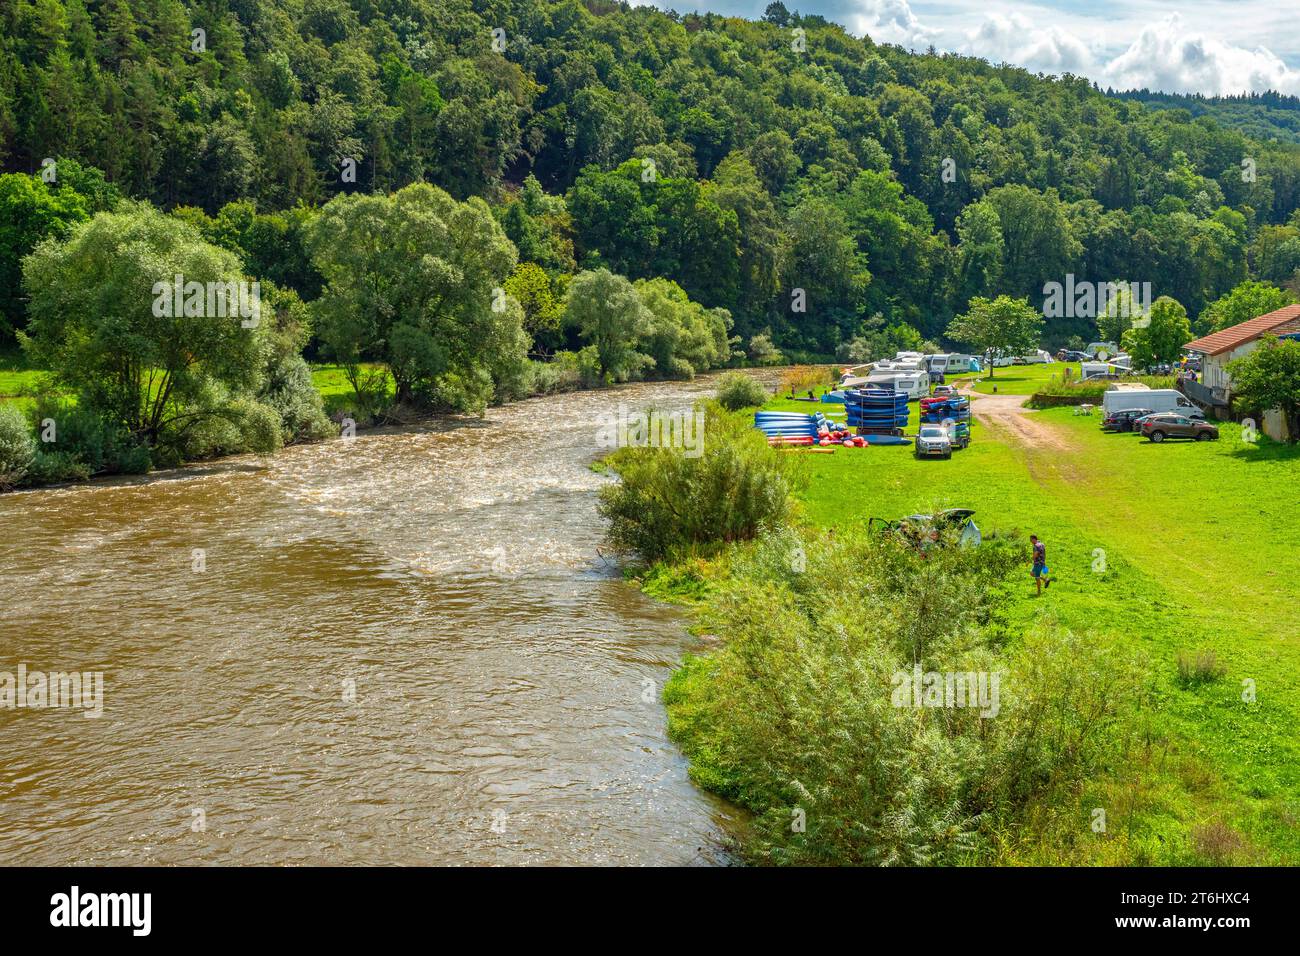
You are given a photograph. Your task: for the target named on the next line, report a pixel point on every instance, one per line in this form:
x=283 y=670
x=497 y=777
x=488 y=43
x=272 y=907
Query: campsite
x=1142 y=555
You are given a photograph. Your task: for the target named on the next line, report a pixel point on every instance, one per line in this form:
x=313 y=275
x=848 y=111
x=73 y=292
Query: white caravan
x=948 y=363
x=916 y=384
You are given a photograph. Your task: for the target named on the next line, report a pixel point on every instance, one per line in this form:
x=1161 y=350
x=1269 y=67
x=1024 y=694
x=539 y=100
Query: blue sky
x=1207 y=46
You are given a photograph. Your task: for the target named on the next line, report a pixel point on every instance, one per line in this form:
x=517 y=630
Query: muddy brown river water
x=400 y=649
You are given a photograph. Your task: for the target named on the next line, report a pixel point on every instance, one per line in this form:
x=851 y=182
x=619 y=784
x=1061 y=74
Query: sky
x=1183 y=46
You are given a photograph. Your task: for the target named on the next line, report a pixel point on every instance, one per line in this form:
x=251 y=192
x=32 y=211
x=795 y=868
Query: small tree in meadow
x=1003 y=326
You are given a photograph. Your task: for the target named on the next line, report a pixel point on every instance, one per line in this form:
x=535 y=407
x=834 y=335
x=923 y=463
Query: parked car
x=1070 y=355
x=949 y=391
x=1159 y=427
x=932 y=441
x=955 y=524
x=1122 y=420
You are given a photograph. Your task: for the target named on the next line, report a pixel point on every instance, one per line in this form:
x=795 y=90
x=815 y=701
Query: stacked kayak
x=793 y=428
x=876 y=410
x=945 y=408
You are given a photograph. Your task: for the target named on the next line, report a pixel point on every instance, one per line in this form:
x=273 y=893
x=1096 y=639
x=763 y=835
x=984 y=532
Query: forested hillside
x=1264 y=116
x=819 y=187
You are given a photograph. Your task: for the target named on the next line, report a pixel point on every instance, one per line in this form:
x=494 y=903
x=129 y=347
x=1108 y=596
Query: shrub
x=796 y=715
x=288 y=389
x=242 y=426
x=558 y=375
x=78 y=432
x=1058 y=392
x=17 y=447
x=667 y=499
x=736 y=390
x=762 y=351
x=1201 y=667
x=134 y=460
x=50 y=467
x=259 y=428
x=588 y=365
x=806 y=378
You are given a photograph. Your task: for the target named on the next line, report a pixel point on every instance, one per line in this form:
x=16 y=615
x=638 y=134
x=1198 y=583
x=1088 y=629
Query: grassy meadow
x=1180 y=547
x=1183 y=550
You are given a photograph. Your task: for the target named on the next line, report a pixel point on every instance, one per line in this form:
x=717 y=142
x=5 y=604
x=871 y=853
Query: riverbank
x=21 y=387
x=1178 y=555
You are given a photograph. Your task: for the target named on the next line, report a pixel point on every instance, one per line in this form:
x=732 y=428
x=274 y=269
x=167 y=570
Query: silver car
x=932 y=441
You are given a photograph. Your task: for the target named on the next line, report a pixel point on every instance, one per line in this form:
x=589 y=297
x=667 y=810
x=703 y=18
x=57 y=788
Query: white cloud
x=890 y=21
x=1166 y=56
x=1014 y=39
x=1211 y=48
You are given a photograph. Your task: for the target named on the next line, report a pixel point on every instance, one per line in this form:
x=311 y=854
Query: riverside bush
x=49 y=467
x=806 y=378
x=736 y=390
x=17 y=447
x=795 y=715
x=84 y=444
x=667 y=499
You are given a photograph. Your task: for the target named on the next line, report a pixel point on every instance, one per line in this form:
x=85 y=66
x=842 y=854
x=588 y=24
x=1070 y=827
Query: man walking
x=1040 y=564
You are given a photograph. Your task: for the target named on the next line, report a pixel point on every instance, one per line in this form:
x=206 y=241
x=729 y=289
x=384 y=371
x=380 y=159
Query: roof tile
x=1248 y=331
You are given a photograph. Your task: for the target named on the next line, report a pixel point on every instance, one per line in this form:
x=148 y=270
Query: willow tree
x=146 y=350
x=416 y=280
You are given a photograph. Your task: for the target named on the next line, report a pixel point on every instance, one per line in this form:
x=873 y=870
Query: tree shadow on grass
x=1267 y=450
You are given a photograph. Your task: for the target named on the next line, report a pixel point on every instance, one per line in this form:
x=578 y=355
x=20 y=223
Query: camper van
x=1156 y=399
x=948 y=363
x=997 y=360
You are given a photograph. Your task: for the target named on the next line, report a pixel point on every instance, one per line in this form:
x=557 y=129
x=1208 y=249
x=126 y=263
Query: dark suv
x=1159 y=427
x=1122 y=420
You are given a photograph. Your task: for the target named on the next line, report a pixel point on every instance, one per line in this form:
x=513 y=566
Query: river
x=402 y=648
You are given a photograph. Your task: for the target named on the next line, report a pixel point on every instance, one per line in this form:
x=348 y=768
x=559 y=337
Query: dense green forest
x=821 y=188
x=1263 y=116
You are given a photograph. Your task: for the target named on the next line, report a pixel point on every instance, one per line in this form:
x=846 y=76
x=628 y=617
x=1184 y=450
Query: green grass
x=1199 y=549
x=1016 y=379
x=19 y=383
x=335 y=389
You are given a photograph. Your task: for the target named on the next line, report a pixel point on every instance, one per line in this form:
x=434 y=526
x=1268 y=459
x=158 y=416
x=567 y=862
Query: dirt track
x=1048 y=450
x=1008 y=413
